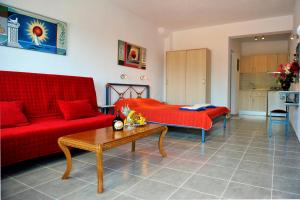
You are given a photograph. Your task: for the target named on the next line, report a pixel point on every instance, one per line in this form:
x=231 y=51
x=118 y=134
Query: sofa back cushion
x=76 y=109
x=40 y=92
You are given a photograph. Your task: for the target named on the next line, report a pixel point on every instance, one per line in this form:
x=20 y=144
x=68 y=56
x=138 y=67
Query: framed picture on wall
x=26 y=30
x=131 y=55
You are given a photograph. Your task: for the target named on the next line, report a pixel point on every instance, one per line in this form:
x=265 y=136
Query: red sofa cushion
x=76 y=109
x=40 y=92
x=11 y=114
x=40 y=137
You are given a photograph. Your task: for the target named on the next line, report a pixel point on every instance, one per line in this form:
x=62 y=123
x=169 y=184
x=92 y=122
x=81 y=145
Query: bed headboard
x=116 y=91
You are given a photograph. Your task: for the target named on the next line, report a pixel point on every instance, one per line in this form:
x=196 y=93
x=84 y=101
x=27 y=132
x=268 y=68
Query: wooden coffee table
x=99 y=140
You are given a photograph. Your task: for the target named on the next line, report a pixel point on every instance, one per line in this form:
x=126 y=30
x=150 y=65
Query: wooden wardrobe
x=188 y=76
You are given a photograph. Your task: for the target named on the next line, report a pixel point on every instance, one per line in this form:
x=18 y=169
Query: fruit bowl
x=133 y=118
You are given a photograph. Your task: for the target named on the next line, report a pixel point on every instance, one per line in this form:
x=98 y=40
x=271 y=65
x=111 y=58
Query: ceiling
x=182 y=14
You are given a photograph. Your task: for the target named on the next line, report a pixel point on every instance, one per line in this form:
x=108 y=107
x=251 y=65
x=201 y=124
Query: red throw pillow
x=76 y=109
x=11 y=114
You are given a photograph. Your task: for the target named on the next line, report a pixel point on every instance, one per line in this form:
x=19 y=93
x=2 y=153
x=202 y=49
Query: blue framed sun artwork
x=26 y=30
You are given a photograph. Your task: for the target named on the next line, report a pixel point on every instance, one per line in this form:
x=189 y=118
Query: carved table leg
x=161 y=141
x=99 y=157
x=67 y=153
x=133 y=146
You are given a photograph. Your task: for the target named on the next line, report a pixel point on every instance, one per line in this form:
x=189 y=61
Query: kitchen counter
x=253 y=101
x=256 y=89
x=261 y=101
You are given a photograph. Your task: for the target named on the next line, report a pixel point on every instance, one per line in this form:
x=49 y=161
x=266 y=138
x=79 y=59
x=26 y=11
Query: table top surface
x=106 y=106
x=106 y=135
x=289 y=92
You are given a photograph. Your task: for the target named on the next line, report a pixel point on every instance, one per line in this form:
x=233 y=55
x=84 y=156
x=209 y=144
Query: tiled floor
x=240 y=162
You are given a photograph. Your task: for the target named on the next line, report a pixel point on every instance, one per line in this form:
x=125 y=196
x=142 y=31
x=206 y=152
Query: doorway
x=252 y=63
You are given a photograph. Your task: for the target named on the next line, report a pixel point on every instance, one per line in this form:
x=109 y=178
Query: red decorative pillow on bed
x=76 y=109
x=131 y=102
x=11 y=114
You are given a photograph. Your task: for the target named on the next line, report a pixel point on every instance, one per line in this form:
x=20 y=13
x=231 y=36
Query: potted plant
x=286 y=74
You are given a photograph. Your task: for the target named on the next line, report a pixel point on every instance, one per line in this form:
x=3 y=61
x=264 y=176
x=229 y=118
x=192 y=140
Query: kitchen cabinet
x=272 y=62
x=247 y=63
x=282 y=59
x=253 y=64
x=245 y=100
x=259 y=101
x=262 y=63
x=253 y=100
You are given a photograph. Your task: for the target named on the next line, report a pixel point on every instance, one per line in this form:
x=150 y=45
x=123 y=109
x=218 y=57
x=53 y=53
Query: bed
x=137 y=97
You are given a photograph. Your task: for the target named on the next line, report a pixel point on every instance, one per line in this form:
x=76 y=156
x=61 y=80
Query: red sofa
x=39 y=94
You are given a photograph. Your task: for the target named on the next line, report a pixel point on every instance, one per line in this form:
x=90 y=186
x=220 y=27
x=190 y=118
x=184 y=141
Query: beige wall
x=216 y=38
x=257 y=80
x=264 y=47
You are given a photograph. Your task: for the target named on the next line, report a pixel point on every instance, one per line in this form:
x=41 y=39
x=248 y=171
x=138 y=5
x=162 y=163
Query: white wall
x=234 y=82
x=264 y=47
x=94 y=29
x=235 y=46
x=216 y=38
x=295 y=111
x=233 y=94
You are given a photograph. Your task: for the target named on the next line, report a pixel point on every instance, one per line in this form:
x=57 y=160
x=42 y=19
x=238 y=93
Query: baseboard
x=255 y=113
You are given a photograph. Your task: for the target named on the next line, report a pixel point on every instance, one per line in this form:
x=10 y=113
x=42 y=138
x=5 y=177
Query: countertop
x=261 y=89
x=257 y=89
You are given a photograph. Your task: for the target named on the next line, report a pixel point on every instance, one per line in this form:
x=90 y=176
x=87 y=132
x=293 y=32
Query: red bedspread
x=155 y=111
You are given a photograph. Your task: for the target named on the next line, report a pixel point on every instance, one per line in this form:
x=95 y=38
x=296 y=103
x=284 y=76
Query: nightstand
x=107 y=109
